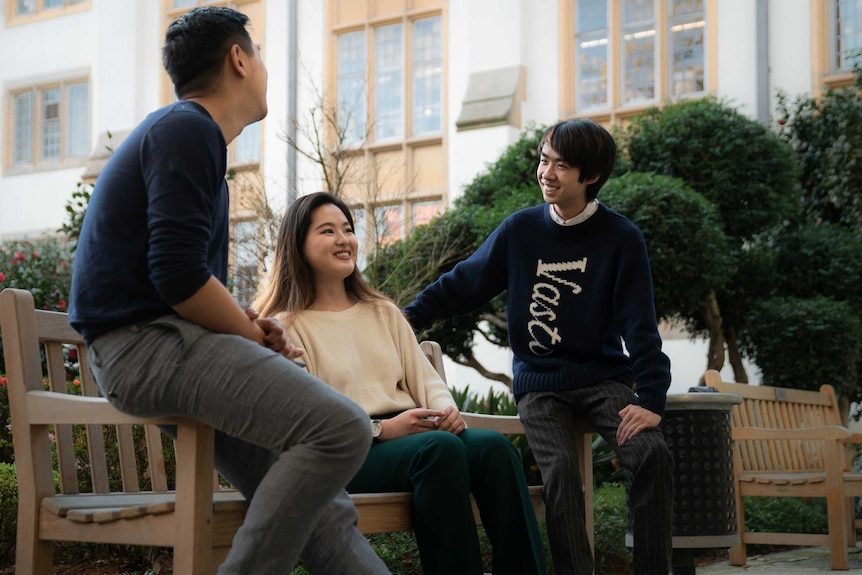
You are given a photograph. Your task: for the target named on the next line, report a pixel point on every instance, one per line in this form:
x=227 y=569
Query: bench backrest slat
x=780 y=408
x=57 y=339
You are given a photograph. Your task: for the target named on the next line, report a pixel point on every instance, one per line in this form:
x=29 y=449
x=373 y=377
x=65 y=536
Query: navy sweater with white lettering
x=574 y=294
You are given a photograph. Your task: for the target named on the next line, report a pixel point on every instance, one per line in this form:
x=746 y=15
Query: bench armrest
x=505 y=424
x=49 y=407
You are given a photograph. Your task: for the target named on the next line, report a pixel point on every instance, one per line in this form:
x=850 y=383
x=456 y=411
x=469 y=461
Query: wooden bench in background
x=187 y=510
x=793 y=443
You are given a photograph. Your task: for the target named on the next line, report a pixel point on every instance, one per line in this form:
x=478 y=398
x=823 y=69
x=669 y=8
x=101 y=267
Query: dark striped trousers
x=549 y=419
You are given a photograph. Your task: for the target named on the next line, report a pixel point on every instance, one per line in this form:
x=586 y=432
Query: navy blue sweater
x=156 y=227
x=574 y=294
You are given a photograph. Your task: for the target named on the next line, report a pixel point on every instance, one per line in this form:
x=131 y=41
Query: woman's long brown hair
x=290 y=284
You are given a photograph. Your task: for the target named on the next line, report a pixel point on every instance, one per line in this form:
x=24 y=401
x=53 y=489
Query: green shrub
x=821 y=343
x=8 y=512
x=785 y=515
x=44 y=267
x=610 y=526
x=7 y=454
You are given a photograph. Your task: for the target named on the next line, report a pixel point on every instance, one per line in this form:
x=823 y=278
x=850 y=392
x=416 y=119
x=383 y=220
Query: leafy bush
x=785 y=515
x=825 y=134
x=688 y=251
x=610 y=526
x=821 y=343
x=7 y=454
x=8 y=512
x=747 y=173
x=44 y=267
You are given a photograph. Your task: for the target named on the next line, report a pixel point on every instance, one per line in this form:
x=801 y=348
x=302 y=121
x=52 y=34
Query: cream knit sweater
x=370 y=354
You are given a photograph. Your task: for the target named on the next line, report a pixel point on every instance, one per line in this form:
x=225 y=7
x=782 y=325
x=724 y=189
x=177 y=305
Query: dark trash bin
x=696 y=427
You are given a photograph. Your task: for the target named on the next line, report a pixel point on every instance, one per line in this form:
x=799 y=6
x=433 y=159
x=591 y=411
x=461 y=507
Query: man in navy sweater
x=578 y=285
x=166 y=337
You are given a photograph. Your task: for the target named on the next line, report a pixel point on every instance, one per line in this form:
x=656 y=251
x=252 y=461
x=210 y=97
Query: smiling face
x=560 y=183
x=331 y=246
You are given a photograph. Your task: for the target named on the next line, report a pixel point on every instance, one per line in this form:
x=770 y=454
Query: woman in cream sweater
x=357 y=341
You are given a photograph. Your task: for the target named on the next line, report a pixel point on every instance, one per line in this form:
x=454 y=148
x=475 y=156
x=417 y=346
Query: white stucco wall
x=789 y=49
x=309 y=76
x=737 y=54
x=275 y=40
x=34 y=204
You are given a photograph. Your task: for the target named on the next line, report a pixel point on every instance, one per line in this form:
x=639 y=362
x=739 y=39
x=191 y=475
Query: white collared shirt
x=581 y=217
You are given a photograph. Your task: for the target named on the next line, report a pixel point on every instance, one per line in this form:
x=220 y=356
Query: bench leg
x=737 y=554
x=32 y=556
x=836 y=509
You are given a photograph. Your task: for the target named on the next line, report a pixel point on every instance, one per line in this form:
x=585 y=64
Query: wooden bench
x=793 y=443
x=186 y=510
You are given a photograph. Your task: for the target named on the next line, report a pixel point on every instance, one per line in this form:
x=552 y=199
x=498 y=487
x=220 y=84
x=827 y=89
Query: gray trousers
x=549 y=419
x=284 y=439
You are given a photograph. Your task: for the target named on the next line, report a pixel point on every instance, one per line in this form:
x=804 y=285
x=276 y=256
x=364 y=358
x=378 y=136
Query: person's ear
x=236 y=57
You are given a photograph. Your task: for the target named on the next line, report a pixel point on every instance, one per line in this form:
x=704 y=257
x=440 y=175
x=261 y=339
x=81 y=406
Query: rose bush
x=43 y=267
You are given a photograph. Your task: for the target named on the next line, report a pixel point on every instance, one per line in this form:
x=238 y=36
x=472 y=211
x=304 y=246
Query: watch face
x=376 y=428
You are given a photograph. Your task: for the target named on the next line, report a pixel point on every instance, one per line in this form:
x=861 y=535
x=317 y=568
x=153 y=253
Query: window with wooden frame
x=50 y=126
x=247 y=260
x=27 y=11
x=845 y=34
x=402 y=87
x=626 y=55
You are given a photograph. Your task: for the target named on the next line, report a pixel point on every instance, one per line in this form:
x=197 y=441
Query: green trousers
x=442 y=469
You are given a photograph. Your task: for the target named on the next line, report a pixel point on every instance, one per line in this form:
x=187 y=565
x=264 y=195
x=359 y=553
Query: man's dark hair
x=197 y=42
x=586 y=145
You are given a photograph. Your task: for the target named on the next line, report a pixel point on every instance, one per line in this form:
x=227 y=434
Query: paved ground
x=792 y=562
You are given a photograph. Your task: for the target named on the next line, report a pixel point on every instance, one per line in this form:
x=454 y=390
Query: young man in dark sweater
x=167 y=338
x=578 y=285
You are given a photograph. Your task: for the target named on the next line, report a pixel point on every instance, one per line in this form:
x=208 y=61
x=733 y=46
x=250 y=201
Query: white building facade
x=436 y=88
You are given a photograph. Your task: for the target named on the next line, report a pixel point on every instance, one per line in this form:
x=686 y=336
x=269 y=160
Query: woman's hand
x=451 y=421
x=411 y=421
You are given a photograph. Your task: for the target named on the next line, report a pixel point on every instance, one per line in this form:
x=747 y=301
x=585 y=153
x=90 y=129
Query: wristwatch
x=376 y=429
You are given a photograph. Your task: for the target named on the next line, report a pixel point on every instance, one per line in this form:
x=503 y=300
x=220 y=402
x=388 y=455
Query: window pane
x=847 y=32
x=51 y=124
x=78 y=124
x=687 y=66
x=359 y=230
x=427 y=75
x=247 y=145
x=390 y=224
x=25 y=6
x=245 y=263
x=23 y=128
x=51 y=3
x=638 y=57
x=185 y=3
x=351 y=86
x=388 y=82
x=424 y=212
x=591 y=54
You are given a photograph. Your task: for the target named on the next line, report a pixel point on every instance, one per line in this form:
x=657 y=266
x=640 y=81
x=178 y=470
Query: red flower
x=76 y=382
x=62 y=304
x=35 y=256
x=2 y=277
x=73 y=354
x=19 y=256
x=3 y=381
